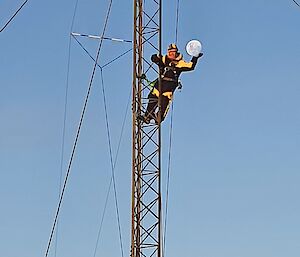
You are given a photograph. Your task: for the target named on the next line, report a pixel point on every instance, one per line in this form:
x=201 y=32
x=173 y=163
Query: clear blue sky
x=235 y=170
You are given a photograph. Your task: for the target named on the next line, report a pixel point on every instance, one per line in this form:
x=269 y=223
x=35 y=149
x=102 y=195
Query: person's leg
x=151 y=107
x=164 y=105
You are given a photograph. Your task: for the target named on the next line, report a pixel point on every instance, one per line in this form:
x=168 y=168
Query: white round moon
x=193 y=47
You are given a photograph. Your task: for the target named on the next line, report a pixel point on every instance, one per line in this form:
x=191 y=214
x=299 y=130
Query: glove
x=155 y=58
x=200 y=55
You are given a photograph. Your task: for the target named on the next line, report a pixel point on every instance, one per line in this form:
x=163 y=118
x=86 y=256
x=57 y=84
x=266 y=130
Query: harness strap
x=169 y=79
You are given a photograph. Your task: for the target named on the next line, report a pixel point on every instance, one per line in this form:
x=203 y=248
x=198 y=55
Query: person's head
x=172 y=51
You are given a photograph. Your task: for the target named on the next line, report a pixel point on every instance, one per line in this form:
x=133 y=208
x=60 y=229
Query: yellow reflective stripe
x=167 y=94
x=155 y=92
x=183 y=64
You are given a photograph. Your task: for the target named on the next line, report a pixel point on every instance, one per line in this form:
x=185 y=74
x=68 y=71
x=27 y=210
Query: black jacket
x=171 y=70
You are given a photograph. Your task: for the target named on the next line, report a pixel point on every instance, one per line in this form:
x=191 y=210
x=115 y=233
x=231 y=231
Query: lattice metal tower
x=146 y=227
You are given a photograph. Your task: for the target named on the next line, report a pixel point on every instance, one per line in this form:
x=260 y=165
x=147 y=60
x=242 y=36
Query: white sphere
x=193 y=47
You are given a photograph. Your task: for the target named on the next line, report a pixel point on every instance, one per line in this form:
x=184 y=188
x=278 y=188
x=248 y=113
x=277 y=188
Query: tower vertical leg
x=146 y=138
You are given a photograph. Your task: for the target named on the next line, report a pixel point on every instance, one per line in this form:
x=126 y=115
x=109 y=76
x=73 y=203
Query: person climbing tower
x=171 y=66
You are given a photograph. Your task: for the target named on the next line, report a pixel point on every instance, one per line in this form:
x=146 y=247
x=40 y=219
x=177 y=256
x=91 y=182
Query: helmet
x=172 y=47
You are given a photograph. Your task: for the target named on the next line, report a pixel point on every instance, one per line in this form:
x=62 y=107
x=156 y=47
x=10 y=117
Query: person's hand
x=155 y=58
x=200 y=55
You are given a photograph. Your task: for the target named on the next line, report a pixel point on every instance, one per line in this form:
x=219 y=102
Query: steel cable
x=65 y=117
x=296 y=3
x=112 y=163
x=111 y=179
x=177 y=19
x=13 y=16
x=170 y=143
x=106 y=64
x=168 y=175
x=77 y=133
